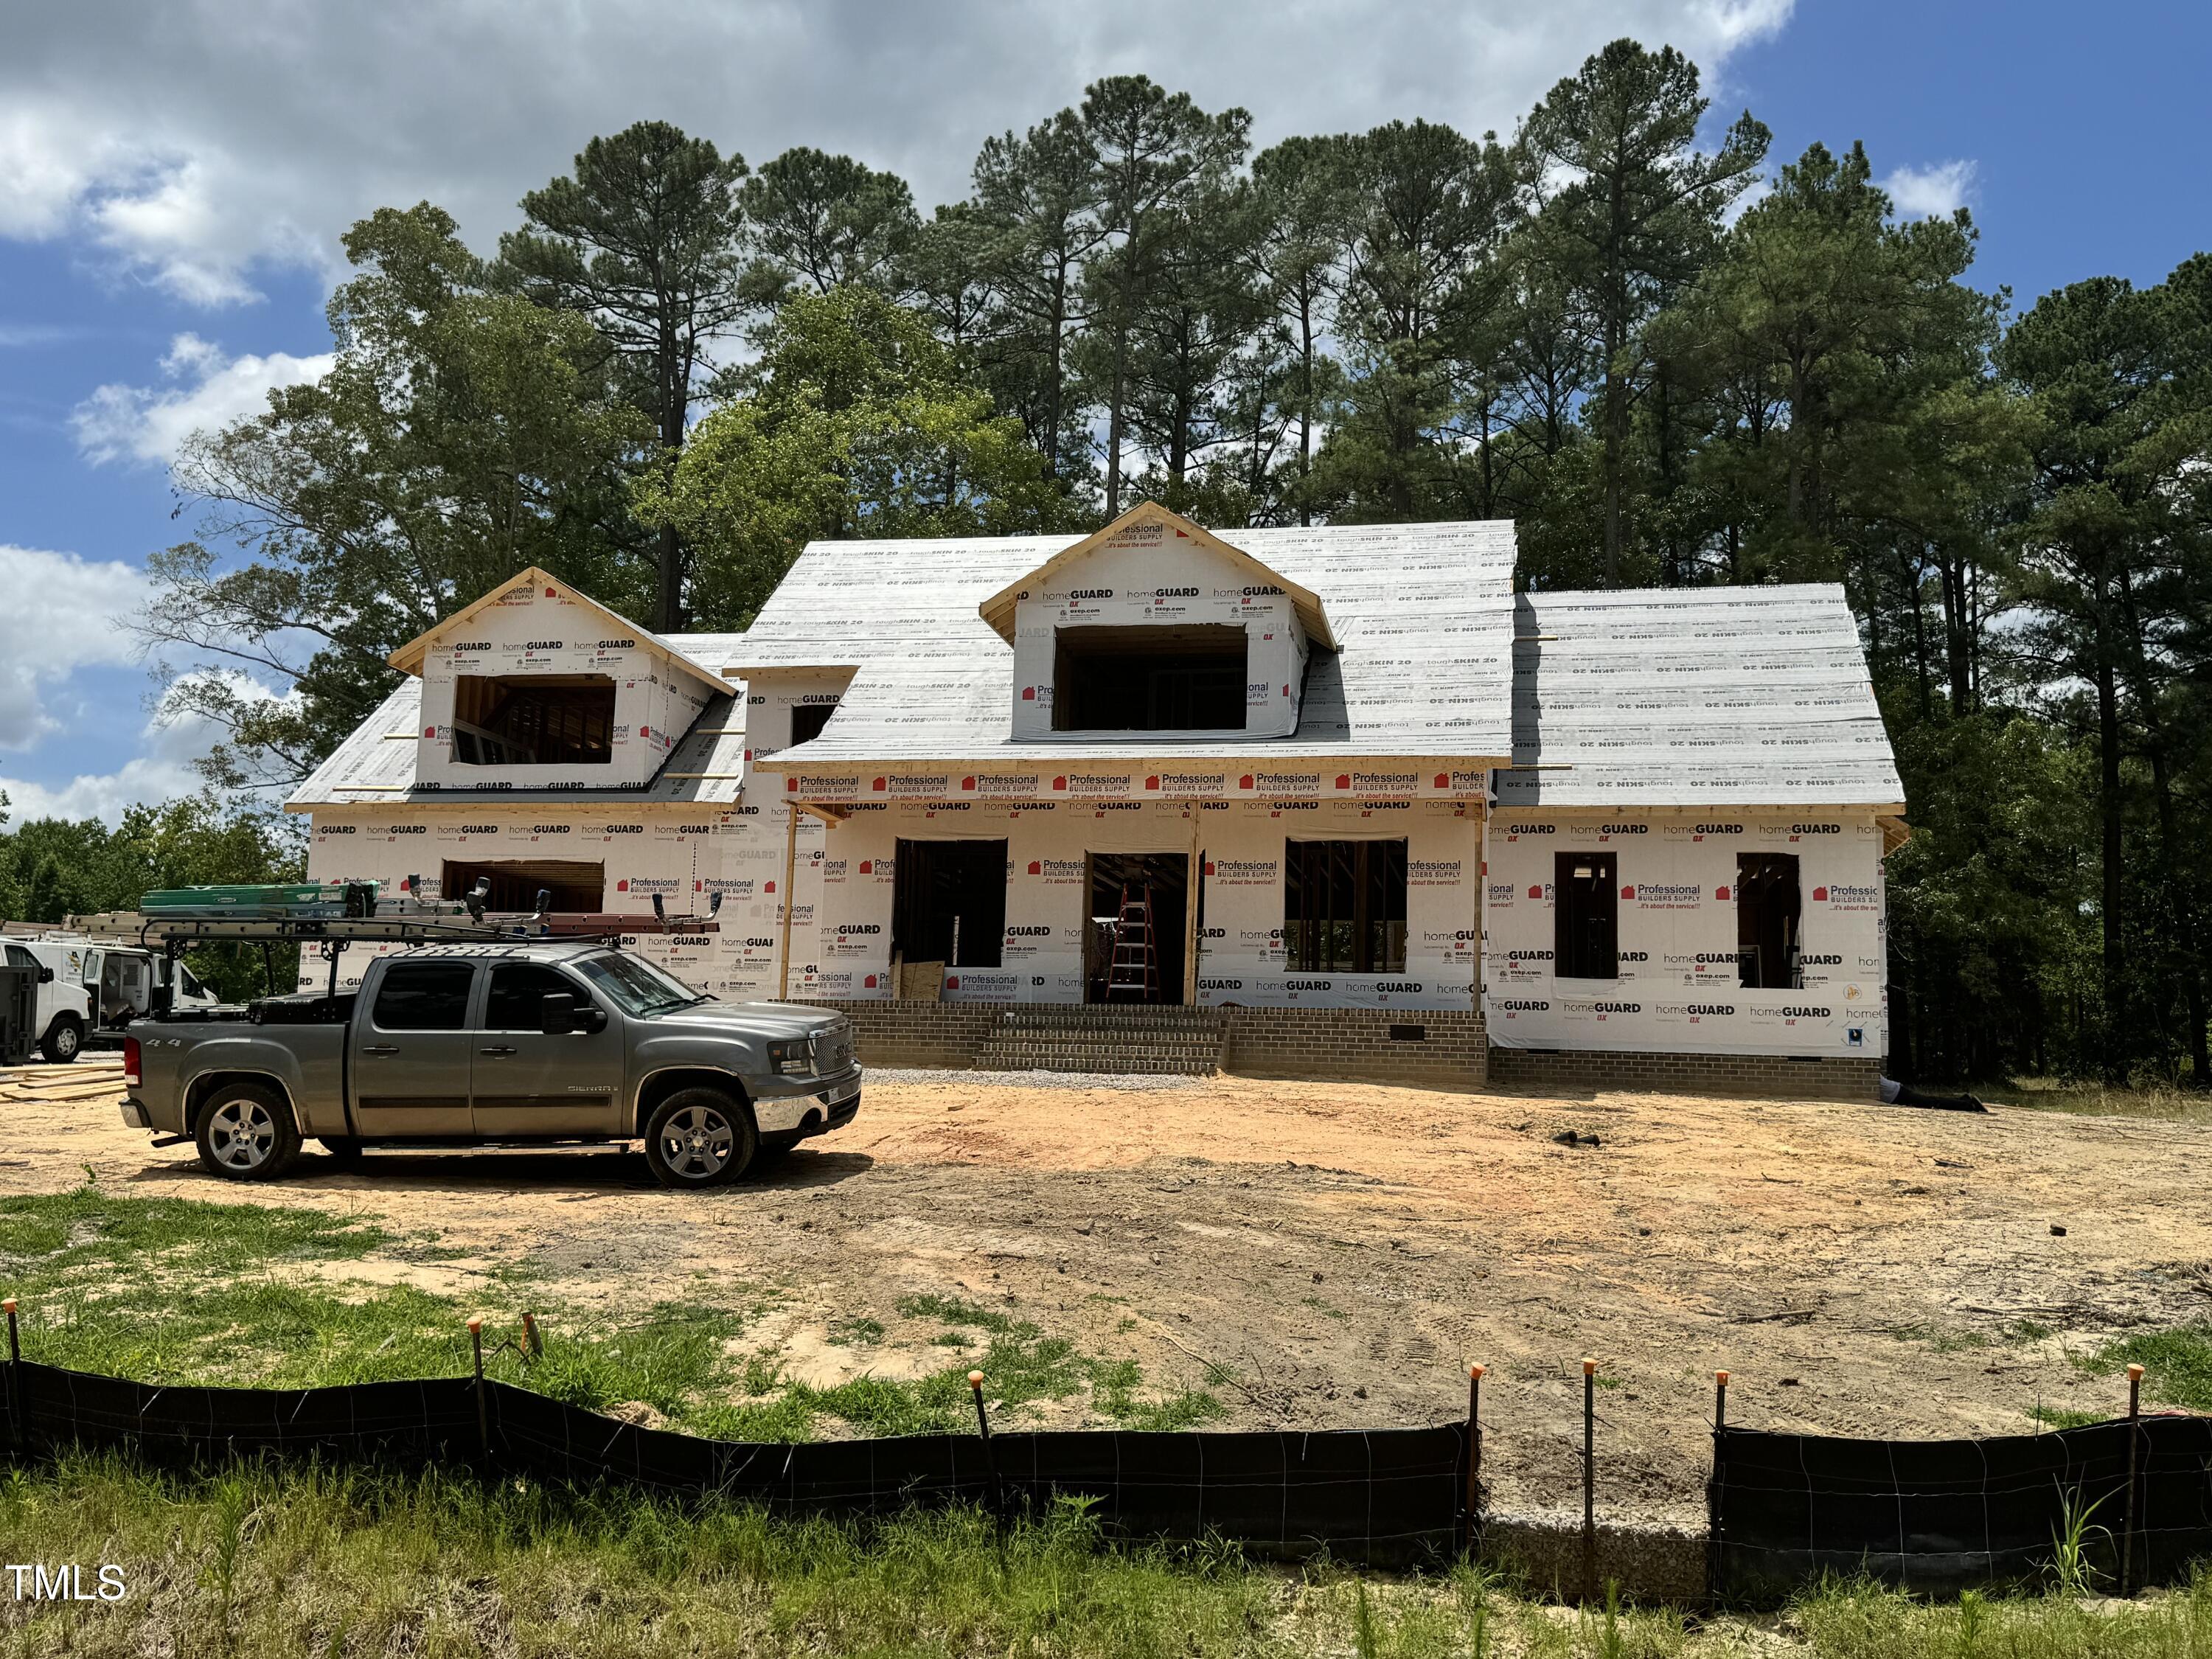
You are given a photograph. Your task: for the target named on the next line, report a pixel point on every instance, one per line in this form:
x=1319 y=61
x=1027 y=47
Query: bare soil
x=1340 y=1252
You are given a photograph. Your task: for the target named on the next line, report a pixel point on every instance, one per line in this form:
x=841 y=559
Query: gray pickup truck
x=523 y=1043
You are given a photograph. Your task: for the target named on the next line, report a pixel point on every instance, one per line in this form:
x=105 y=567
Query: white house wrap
x=1349 y=768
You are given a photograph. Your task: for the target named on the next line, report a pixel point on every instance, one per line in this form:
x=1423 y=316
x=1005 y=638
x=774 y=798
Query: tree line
x=1673 y=359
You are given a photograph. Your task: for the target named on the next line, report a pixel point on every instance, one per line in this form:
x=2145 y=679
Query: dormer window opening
x=1156 y=679
x=533 y=719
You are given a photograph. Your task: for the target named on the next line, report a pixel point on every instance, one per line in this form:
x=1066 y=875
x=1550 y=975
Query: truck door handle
x=381 y=1048
x=495 y=1051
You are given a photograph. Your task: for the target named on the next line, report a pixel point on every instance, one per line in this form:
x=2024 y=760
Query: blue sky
x=173 y=183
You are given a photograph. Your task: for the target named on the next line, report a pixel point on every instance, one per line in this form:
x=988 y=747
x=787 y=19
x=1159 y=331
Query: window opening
x=576 y=887
x=1148 y=679
x=949 y=901
x=1585 y=915
x=807 y=719
x=1343 y=907
x=533 y=719
x=1768 y=912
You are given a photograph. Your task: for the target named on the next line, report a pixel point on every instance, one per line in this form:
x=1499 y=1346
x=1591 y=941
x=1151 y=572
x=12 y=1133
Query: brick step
x=989 y=1059
x=1109 y=1049
x=1044 y=1033
x=1114 y=1010
x=1110 y=1028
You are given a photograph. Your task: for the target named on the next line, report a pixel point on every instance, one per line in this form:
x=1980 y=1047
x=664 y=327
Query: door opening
x=949 y=903
x=1768 y=909
x=1165 y=879
x=1586 y=915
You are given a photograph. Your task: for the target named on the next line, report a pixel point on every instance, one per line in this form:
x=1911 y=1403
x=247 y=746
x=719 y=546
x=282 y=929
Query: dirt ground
x=1341 y=1252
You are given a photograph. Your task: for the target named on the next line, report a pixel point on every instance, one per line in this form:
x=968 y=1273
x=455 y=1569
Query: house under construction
x=1330 y=802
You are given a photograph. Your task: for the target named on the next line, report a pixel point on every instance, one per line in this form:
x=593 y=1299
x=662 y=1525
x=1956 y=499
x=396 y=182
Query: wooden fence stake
x=483 y=1419
x=1473 y=1454
x=1713 y=1490
x=18 y=1430
x=1589 y=1479
x=990 y=1457
x=2127 y=1510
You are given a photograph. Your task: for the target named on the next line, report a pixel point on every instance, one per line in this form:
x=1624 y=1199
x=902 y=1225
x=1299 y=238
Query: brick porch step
x=1187 y=1042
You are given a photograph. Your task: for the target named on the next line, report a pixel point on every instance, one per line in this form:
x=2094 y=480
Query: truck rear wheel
x=64 y=1041
x=699 y=1138
x=246 y=1132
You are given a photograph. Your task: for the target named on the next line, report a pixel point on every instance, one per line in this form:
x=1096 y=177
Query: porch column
x=790 y=862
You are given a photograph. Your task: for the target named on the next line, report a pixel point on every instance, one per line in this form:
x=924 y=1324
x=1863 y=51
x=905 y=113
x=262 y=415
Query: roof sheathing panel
x=1695 y=697
x=1422 y=615
x=374 y=766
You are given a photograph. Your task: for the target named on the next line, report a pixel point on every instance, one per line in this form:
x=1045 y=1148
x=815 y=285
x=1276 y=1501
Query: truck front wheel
x=248 y=1133
x=699 y=1138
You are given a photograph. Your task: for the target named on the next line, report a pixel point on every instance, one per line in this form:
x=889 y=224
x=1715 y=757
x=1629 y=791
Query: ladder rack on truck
x=331 y=935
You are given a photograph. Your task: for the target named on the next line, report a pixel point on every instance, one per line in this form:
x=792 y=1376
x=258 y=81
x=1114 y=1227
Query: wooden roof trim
x=998 y=610
x=408 y=659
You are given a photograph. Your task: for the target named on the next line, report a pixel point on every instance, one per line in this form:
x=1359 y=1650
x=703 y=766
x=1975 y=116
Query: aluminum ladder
x=1135 y=969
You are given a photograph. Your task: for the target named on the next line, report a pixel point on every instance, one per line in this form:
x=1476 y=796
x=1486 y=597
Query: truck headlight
x=792 y=1059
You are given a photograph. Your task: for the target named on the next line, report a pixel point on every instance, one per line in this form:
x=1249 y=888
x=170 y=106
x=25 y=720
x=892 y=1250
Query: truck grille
x=833 y=1049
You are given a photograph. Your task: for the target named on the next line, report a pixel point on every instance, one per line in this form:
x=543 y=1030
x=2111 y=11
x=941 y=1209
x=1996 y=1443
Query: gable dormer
x=537 y=686
x=1157 y=625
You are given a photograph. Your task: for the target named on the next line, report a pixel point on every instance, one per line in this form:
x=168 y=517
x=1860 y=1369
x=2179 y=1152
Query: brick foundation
x=1332 y=1044
x=1355 y=1045
x=946 y=1034
x=1824 y=1078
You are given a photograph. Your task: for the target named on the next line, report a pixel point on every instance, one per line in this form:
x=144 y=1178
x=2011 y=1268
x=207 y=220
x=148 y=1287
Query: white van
x=118 y=982
x=64 y=1007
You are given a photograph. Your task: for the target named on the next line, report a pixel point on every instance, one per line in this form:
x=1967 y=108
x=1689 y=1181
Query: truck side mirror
x=591 y=1017
x=46 y=976
x=556 y=1012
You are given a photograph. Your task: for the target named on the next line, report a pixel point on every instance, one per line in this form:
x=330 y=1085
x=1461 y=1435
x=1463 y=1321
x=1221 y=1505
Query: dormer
x=1156 y=625
x=536 y=686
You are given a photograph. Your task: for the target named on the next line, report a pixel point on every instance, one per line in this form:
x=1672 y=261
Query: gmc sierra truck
x=520 y=1043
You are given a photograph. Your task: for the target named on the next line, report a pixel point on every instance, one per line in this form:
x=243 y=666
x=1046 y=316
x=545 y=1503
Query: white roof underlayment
x=376 y=764
x=1636 y=698
x=1422 y=613
x=1748 y=697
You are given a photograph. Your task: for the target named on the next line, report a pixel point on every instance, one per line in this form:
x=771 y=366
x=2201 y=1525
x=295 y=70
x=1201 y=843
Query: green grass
x=256 y=1563
x=2060 y=1417
x=2177 y=1365
x=177 y=1290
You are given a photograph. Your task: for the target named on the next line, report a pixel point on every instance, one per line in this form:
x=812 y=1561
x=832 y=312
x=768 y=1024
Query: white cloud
x=191 y=142
x=1938 y=191
x=208 y=389
x=162 y=770
x=61 y=615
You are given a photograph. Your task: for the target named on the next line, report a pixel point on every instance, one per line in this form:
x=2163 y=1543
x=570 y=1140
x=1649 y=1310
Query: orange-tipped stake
x=1589 y=1368
x=1721 y=1377
x=475 y=1328
x=1478 y=1372
x=2135 y=1372
x=976 y=1381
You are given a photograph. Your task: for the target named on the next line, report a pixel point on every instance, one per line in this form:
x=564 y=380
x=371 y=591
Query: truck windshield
x=636 y=985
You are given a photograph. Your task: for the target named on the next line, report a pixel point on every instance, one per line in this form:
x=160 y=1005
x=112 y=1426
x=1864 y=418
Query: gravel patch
x=1128 y=1082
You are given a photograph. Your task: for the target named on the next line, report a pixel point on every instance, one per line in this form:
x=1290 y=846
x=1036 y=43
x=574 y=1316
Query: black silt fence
x=1386 y=1497
x=1943 y=1516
